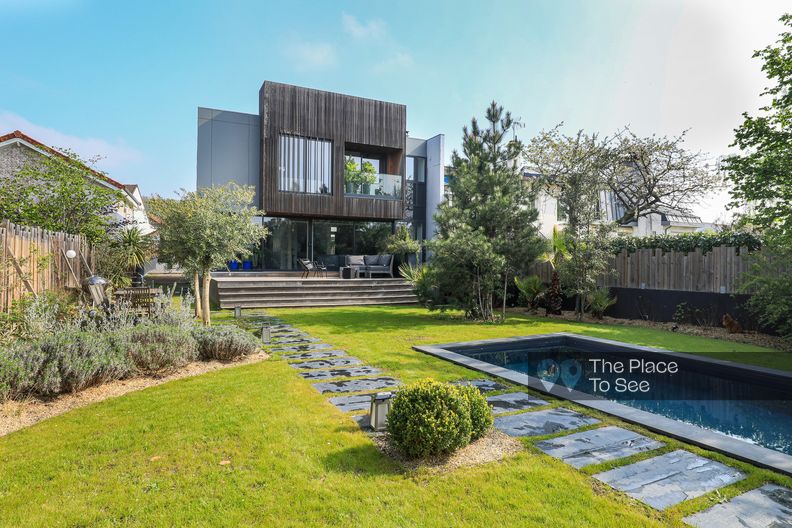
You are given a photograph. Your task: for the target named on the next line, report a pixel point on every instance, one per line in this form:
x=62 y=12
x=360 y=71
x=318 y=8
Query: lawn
x=256 y=445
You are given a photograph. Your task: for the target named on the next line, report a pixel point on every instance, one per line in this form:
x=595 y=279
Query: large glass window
x=287 y=241
x=363 y=177
x=416 y=169
x=333 y=240
x=305 y=164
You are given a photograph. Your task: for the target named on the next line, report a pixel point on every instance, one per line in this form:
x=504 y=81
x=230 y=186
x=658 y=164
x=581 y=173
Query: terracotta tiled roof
x=16 y=134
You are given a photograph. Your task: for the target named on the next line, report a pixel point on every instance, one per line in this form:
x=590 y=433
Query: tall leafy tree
x=761 y=175
x=572 y=169
x=204 y=229
x=487 y=234
x=59 y=192
x=656 y=173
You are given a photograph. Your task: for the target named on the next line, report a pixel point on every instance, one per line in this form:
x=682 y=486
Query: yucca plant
x=531 y=288
x=599 y=300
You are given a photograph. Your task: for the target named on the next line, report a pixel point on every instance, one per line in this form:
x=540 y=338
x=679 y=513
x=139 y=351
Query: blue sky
x=124 y=79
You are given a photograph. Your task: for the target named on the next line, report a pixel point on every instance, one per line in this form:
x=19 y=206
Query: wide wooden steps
x=256 y=291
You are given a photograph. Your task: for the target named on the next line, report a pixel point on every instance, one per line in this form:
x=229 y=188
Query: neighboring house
x=18 y=150
x=668 y=221
x=295 y=151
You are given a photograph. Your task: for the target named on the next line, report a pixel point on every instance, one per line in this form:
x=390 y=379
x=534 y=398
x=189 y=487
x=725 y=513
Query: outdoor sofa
x=370 y=265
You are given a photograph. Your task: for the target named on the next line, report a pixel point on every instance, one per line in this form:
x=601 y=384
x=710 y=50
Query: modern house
x=335 y=173
x=18 y=150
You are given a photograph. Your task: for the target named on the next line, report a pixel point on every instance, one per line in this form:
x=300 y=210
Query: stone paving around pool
x=660 y=481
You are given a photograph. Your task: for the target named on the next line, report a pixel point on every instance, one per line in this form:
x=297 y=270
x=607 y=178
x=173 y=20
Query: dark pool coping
x=721 y=443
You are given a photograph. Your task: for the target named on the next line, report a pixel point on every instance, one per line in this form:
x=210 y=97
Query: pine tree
x=487 y=234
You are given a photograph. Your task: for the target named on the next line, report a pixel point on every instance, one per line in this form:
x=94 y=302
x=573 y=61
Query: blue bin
x=233 y=265
x=247 y=265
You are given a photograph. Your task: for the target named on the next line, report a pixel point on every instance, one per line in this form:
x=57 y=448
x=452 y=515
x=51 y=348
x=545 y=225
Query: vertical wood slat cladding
x=342 y=119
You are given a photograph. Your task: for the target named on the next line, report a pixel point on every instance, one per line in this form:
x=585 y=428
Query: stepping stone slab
x=302 y=348
x=598 y=445
x=327 y=363
x=356 y=385
x=539 y=423
x=513 y=401
x=294 y=341
x=340 y=373
x=316 y=355
x=767 y=507
x=359 y=402
x=483 y=385
x=287 y=334
x=666 y=480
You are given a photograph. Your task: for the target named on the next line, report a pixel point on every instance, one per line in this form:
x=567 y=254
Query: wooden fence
x=718 y=271
x=33 y=260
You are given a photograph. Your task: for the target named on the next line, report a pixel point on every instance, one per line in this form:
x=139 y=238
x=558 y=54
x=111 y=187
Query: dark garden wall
x=703 y=308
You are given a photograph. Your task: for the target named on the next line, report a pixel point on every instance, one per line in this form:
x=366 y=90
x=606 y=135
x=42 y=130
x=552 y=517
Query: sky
x=124 y=79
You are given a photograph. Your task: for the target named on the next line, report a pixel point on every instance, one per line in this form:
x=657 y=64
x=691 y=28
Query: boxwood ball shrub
x=158 y=348
x=480 y=411
x=429 y=418
x=225 y=342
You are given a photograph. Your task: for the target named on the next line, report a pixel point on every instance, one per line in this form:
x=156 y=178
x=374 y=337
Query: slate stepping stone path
x=357 y=385
x=598 y=445
x=767 y=507
x=359 y=402
x=661 y=482
x=483 y=385
x=316 y=355
x=513 y=401
x=666 y=480
x=326 y=363
x=340 y=373
x=538 y=423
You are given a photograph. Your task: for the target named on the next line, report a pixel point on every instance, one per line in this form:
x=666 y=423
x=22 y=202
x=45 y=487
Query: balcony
x=364 y=184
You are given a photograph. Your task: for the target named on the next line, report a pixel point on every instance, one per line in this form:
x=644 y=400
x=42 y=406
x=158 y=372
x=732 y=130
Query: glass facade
x=287 y=241
x=305 y=164
x=326 y=241
x=415 y=196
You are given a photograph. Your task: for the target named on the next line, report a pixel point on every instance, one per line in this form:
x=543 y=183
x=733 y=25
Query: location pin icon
x=547 y=371
x=570 y=373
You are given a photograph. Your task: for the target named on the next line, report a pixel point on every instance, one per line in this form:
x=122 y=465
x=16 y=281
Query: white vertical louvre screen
x=304 y=164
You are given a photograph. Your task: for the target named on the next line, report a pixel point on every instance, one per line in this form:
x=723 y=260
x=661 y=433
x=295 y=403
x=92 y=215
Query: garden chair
x=308 y=267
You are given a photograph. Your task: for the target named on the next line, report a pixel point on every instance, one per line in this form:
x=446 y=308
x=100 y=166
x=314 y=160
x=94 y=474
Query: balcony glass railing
x=373 y=185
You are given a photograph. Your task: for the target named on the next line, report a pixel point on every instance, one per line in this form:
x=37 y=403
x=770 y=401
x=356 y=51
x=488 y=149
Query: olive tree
x=202 y=230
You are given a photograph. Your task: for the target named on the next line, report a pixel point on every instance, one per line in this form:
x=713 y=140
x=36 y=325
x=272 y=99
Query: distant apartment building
x=18 y=150
x=334 y=173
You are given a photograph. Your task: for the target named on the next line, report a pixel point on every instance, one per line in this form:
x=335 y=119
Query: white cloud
x=373 y=29
x=114 y=154
x=312 y=55
x=399 y=61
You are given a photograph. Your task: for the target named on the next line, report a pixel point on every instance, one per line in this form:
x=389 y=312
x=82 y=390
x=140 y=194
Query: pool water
x=727 y=400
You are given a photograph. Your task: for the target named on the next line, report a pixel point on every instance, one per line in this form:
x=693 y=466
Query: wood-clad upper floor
x=341 y=123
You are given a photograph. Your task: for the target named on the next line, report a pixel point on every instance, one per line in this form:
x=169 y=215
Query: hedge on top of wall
x=687 y=242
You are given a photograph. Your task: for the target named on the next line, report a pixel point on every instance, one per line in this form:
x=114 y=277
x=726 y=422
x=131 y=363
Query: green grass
x=295 y=459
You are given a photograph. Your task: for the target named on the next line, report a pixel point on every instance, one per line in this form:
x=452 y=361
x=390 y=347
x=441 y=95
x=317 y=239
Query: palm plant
x=557 y=253
x=133 y=249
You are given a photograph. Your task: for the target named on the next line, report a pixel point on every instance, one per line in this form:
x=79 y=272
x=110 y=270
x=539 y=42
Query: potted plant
x=403 y=247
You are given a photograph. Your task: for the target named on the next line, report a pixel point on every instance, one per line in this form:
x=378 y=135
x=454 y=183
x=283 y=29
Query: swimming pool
x=749 y=403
